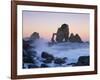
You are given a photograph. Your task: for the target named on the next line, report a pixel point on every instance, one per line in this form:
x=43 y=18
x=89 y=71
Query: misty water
x=66 y=49
x=72 y=51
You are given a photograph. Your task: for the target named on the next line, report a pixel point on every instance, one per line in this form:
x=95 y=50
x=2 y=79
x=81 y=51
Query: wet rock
x=83 y=61
x=47 y=61
x=28 y=60
x=62 y=33
x=65 y=58
x=72 y=64
x=28 y=56
x=32 y=53
x=47 y=56
x=59 y=61
x=44 y=65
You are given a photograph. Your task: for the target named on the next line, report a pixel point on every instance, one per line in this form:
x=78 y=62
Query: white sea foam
x=66 y=49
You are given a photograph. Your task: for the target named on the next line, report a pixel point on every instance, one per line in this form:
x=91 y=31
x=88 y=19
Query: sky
x=47 y=23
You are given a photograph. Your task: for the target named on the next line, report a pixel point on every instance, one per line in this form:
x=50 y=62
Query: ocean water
x=66 y=49
x=60 y=50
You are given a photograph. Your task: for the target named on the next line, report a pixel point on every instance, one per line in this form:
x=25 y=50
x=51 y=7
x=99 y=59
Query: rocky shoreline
x=31 y=59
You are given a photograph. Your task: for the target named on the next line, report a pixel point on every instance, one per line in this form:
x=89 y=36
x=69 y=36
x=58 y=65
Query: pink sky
x=47 y=23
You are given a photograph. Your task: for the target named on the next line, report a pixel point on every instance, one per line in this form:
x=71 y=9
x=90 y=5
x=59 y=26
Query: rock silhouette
x=72 y=37
x=35 y=35
x=75 y=38
x=62 y=35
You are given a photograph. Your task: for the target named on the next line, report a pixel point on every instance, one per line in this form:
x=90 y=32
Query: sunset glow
x=47 y=23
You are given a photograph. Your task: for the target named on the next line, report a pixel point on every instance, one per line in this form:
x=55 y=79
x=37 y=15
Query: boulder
x=83 y=61
x=59 y=61
x=32 y=53
x=47 y=61
x=47 y=56
x=44 y=65
x=35 y=36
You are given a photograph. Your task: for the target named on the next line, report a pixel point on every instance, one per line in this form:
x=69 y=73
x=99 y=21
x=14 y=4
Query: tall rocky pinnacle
x=75 y=38
x=62 y=33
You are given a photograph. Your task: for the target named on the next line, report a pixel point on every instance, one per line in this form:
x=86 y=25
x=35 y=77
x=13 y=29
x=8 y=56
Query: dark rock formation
x=35 y=35
x=75 y=38
x=28 y=53
x=45 y=55
x=59 y=61
x=83 y=61
x=72 y=64
x=32 y=66
x=53 y=39
x=78 y=38
x=44 y=65
x=62 y=33
x=28 y=60
x=26 y=44
x=47 y=58
x=32 y=53
x=28 y=57
x=72 y=37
